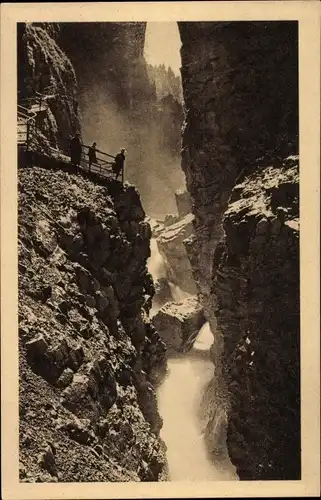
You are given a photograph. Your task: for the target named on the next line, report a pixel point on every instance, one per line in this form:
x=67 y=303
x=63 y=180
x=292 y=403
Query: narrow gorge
x=159 y=319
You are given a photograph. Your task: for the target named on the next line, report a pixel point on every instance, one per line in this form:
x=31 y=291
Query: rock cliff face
x=88 y=355
x=170 y=244
x=257 y=302
x=231 y=74
x=45 y=68
x=114 y=53
x=240 y=84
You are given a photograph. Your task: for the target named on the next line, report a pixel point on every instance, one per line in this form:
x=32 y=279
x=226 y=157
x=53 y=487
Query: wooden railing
x=26 y=125
x=102 y=166
x=27 y=135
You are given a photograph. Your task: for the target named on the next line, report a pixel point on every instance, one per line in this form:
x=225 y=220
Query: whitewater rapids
x=179 y=399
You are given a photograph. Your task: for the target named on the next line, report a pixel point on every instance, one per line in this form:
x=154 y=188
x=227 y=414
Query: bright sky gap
x=162 y=45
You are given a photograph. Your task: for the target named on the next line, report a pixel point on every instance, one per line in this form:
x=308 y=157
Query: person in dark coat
x=119 y=162
x=75 y=151
x=92 y=158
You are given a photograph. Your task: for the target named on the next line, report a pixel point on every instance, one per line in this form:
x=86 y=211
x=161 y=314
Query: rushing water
x=179 y=399
x=155 y=263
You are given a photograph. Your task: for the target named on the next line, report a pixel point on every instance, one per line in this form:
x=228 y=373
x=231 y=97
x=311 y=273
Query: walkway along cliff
x=87 y=349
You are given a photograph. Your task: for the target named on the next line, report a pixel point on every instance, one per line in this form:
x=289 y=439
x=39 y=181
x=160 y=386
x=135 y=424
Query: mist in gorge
x=142 y=113
x=150 y=164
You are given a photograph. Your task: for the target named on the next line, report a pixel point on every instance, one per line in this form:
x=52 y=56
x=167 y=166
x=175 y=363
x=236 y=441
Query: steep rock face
x=88 y=355
x=170 y=242
x=257 y=304
x=183 y=202
x=240 y=91
x=240 y=85
x=45 y=68
x=114 y=53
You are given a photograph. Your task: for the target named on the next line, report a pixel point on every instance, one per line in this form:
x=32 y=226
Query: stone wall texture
x=89 y=358
x=45 y=68
x=256 y=299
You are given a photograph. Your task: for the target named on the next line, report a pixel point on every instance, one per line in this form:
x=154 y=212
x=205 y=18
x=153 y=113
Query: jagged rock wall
x=240 y=84
x=256 y=299
x=170 y=243
x=43 y=67
x=89 y=358
x=114 y=54
x=240 y=90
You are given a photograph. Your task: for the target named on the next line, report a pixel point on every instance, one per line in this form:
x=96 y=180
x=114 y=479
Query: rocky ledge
x=89 y=358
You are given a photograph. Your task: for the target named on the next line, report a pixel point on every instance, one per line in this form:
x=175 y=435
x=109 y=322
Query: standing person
x=119 y=162
x=75 y=151
x=92 y=158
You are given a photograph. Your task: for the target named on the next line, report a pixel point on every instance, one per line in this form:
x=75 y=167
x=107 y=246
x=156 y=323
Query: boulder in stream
x=178 y=324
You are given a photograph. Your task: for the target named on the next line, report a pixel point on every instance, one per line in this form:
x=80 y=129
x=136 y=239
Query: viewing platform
x=33 y=146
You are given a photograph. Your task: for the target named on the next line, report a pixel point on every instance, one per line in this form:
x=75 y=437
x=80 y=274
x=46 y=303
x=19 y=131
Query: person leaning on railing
x=92 y=157
x=118 y=166
x=75 y=151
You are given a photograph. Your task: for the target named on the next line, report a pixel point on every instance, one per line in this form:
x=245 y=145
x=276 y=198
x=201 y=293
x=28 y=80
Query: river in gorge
x=179 y=400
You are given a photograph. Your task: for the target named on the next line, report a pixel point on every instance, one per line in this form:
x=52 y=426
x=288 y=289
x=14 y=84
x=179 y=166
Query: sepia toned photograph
x=158 y=251
x=158 y=238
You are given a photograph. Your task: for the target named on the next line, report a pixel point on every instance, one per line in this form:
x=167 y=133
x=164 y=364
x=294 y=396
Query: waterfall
x=157 y=268
x=177 y=293
x=179 y=400
x=155 y=263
